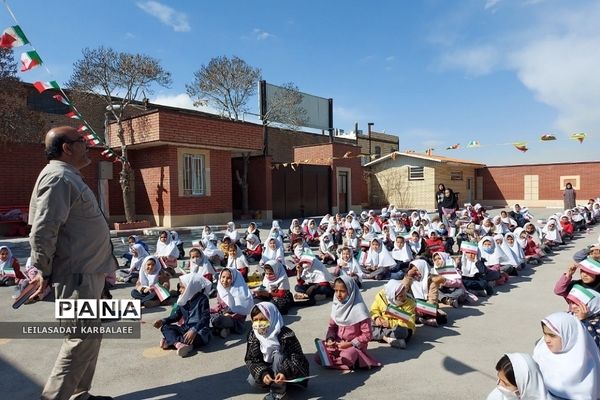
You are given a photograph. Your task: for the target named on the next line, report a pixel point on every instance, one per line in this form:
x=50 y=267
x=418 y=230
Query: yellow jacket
x=380 y=305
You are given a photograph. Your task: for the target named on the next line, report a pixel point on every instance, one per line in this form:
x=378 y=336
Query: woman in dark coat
x=569 y=196
x=439 y=196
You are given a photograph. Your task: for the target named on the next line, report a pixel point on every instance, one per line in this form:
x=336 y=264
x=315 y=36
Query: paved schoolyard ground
x=454 y=362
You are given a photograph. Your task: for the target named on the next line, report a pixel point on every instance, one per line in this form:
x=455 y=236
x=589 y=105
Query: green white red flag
x=426 y=308
x=13 y=37
x=61 y=99
x=580 y=295
x=43 y=86
x=30 y=60
x=82 y=128
x=397 y=312
x=73 y=114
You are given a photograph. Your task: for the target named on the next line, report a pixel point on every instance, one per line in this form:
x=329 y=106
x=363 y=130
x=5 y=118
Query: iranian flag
x=30 y=60
x=72 y=114
x=426 y=308
x=161 y=292
x=93 y=140
x=590 y=266
x=581 y=295
x=448 y=272
x=43 y=86
x=13 y=37
x=61 y=99
x=468 y=247
x=397 y=312
x=9 y=272
x=82 y=128
x=323 y=354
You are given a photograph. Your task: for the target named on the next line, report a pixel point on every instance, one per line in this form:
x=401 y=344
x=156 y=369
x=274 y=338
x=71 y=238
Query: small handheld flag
x=397 y=312
x=426 y=308
x=161 y=292
x=323 y=354
x=581 y=295
x=590 y=266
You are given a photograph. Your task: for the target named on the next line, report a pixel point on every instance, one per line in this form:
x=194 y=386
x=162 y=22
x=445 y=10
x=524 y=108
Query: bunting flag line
x=521 y=146
x=454 y=147
x=43 y=86
x=578 y=136
x=61 y=99
x=82 y=128
x=547 y=137
x=73 y=115
x=473 y=143
x=30 y=60
x=13 y=37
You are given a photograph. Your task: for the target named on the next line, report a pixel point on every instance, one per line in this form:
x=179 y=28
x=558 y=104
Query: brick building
x=537 y=185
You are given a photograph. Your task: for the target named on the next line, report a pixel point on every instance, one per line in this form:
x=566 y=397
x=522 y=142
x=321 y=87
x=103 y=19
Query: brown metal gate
x=301 y=193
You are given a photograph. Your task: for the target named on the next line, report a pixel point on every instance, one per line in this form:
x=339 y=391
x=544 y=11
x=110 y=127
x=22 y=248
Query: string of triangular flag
x=312 y=161
x=519 y=145
x=13 y=37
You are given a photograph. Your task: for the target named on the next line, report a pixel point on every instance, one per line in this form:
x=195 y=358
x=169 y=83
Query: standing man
x=71 y=248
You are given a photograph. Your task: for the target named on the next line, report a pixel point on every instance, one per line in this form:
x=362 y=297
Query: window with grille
x=193 y=175
x=416 y=173
x=456 y=176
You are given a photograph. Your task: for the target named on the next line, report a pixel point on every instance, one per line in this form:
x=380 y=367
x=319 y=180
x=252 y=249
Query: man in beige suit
x=71 y=247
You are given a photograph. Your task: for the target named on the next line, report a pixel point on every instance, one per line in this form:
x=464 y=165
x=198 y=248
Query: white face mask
x=506 y=392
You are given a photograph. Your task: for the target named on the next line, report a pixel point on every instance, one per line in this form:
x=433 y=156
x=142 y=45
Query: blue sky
x=433 y=72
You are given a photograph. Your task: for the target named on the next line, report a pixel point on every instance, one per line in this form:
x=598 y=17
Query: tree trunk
x=126 y=179
x=243 y=182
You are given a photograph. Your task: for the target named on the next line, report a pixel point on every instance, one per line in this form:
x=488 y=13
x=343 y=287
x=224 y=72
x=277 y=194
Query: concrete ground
x=454 y=362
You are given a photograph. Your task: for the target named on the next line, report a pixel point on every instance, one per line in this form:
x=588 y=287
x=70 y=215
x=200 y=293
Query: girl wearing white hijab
x=327 y=248
x=513 y=250
x=313 y=279
x=390 y=328
x=149 y=276
x=166 y=249
x=568 y=358
x=493 y=259
x=378 y=262
x=587 y=311
x=232 y=233
x=200 y=264
x=193 y=309
x=273 y=352
x=275 y=287
x=138 y=254
x=452 y=292
x=550 y=234
x=350 y=328
x=234 y=302
x=519 y=377
x=425 y=286
x=10 y=270
x=272 y=251
x=236 y=260
x=253 y=248
x=347 y=265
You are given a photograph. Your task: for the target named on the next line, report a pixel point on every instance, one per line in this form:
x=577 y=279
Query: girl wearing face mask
x=313 y=278
x=273 y=352
x=519 y=377
x=492 y=259
x=234 y=302
x=389 y=325
x=350 y=328
x=568 y=358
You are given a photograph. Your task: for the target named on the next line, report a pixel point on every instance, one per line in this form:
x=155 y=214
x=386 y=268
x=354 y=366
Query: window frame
x=411 y=173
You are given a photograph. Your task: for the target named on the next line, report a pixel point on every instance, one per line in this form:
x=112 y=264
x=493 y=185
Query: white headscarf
x=232 y=233
x=149 y=279
x=252 y=241
x=515 y=253
x=313 y=270
x=528 y=378
x=402 y=254
x=269 y=343
x=381 y=258
x=175 y=237
x=168 y=249
x=553 y=234
x=535 y=235
x=448 y=262
x=326 y=242
x=8 y=264
x=574 y=373
x=281 y=281
x=211 y=248
x=351 y=266
x=468 y=268
x=202 y=265
x=136 y=260
x=392 y=289
x=194 y=283
x=270 y=254
x=420 y=288
x=497 y=257
x=239 y=261
x=354 y=309
x=237 y=297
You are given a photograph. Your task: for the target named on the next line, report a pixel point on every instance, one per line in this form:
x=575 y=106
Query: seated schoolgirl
x=508 y=221
x=277 y=232
x=567 y=227
x=568 y=358
x=178 y=243
x=275 y=287
x=390 y=325
x=131 y=240
x=585 y=305
x=350 y=329
x=417 y=245
x=236 y=260
x=347 y=265
x=311 y=233
x=232 y=233
x=350 y=240
x=531 y=251
x=295 y=233
x=578 y=219
x=193 y=309
x=473 y=271
x=234 y=302
x=253 y=230
x=402 y=254
x=313 y=278
x=551 y=235
x=589 y=271
x=324 y=222
x=452 y=291
x=327 y=248
x=387 y=239
x=206 y=233
x=224 y=248
x=425 y=286
x=378 y=262
x=167 y=251
x=10 y=269
x=273 y=352
x=151 y=274
x=215 y=254
x=130 y=275
x=493 y=258
x=519 y=377
x=200 y=264
x=536 y=235
x=502 y=253
x=514 y=251
x=434 y=243
x=272 y=251
x=253 y=251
